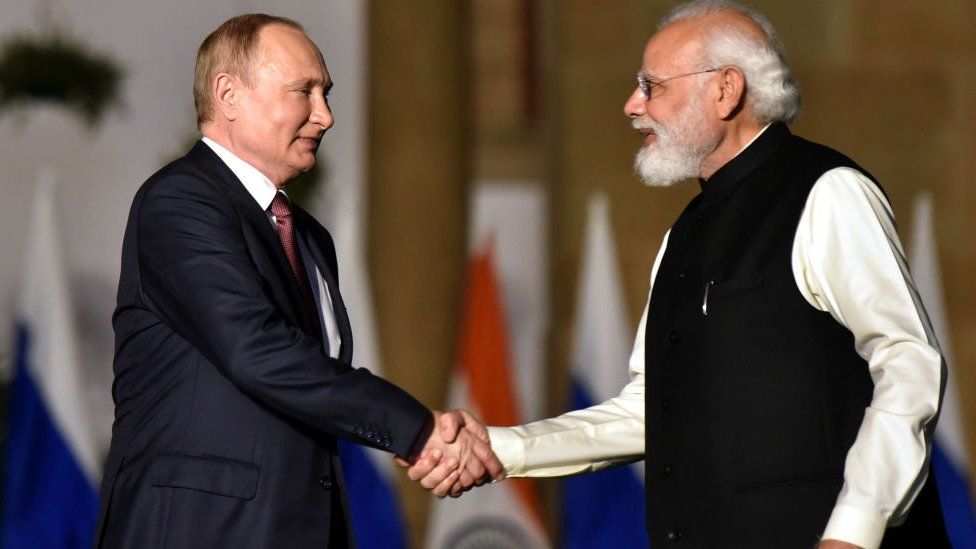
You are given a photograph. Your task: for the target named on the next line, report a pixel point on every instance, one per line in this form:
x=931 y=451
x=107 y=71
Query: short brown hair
x=229 y=49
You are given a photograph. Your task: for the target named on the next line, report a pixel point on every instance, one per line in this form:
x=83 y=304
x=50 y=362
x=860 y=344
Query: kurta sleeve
x=847 y=261
x=583 y=440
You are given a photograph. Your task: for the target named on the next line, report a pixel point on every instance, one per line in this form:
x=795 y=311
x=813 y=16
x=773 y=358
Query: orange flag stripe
x=484 y=359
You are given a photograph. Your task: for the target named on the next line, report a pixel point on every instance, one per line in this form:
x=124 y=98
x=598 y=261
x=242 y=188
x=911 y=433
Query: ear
x=226 y=95
x=732 y=92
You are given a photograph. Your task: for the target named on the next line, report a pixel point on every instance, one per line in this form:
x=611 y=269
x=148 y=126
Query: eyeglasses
x=647 y=85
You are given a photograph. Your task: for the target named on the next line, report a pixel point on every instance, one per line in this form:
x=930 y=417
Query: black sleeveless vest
x=753 y=396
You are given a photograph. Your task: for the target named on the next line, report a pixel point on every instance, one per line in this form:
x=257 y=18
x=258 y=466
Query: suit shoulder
x=178 y=191
x=179 y=176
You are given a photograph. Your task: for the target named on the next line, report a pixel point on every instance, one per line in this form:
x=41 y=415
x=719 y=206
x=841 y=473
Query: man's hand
x=456 y=457
x=837 y=544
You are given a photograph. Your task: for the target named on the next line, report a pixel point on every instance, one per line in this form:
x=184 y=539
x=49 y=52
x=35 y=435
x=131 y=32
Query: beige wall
x=890 y=83
x=418 y=169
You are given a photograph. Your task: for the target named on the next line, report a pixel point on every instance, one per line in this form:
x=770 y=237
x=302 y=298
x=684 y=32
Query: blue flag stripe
x=373 y=505
x=48 y=502
x=956 y=499
x=603 y=509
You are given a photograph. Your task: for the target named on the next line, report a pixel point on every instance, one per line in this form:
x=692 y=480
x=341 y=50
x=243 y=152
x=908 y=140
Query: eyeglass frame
x=647 y=86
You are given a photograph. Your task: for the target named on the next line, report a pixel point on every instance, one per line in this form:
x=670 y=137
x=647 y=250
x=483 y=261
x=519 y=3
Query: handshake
x=456 y=456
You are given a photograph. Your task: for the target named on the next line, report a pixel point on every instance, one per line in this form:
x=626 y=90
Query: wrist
x=420 y=442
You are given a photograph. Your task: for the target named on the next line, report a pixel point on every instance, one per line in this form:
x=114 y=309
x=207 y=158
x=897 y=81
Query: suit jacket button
x=674 y=337
x=666 y=471
x=386 y=442
x=673 y=535
x=325 y=483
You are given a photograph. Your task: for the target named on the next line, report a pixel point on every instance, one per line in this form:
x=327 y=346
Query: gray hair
x=771 y=91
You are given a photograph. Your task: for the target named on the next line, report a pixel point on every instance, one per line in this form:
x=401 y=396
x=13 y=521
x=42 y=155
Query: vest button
x=674 y=337
x=673 y=536
x=683 y=275
x=666 y=471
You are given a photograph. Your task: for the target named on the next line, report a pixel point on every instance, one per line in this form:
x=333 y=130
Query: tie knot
x=281 y=206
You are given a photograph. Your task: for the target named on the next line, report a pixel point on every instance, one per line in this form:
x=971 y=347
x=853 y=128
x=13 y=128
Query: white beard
x=679 y=151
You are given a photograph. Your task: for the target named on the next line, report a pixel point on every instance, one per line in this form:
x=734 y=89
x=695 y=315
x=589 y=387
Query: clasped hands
x=456 y=456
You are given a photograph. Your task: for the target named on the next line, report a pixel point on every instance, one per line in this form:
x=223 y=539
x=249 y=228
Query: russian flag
x=606 y=508
x=376 y=519
x=950 y=464
x=52 y=466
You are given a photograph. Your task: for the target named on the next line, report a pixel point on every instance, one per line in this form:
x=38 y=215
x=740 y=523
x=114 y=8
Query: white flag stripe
x=928 y=280
x=602 y=335
x=45 y=305
x=489 y=513
x=513 y=215
x=601 y=332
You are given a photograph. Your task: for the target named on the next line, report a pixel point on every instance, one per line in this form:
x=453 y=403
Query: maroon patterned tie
x=281 y=210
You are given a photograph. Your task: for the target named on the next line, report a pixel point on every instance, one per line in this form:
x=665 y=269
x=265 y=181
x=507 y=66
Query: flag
x=507 y=514
x=950 y=462
x=51 y=464
x=606 y=508
x=513 y=215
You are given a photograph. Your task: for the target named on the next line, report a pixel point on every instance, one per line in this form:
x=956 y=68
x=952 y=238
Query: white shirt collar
x=261 y=188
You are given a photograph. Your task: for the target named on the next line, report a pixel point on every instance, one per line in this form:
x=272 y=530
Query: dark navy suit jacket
x=227 y=409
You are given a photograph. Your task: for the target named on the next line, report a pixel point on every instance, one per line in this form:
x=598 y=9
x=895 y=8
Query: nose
x=321 y=113
x=635 y=104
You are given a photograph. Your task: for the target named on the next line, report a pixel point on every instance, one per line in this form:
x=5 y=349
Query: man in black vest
x=792 y=379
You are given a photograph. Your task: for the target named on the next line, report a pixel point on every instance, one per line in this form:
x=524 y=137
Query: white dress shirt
x=847 y=260
x=263 y=191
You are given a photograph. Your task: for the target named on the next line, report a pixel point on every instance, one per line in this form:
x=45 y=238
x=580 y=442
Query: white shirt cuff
x=855 y=525
x=509 y=448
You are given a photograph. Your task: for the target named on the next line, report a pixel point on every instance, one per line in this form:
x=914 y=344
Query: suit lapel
x=257 y=220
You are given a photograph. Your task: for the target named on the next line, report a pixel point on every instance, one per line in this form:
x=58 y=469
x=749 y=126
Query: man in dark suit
x=233 y=348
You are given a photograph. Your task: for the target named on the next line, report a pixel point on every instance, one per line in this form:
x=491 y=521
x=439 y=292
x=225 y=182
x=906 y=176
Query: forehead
x=673 y=49
x=286 y=52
